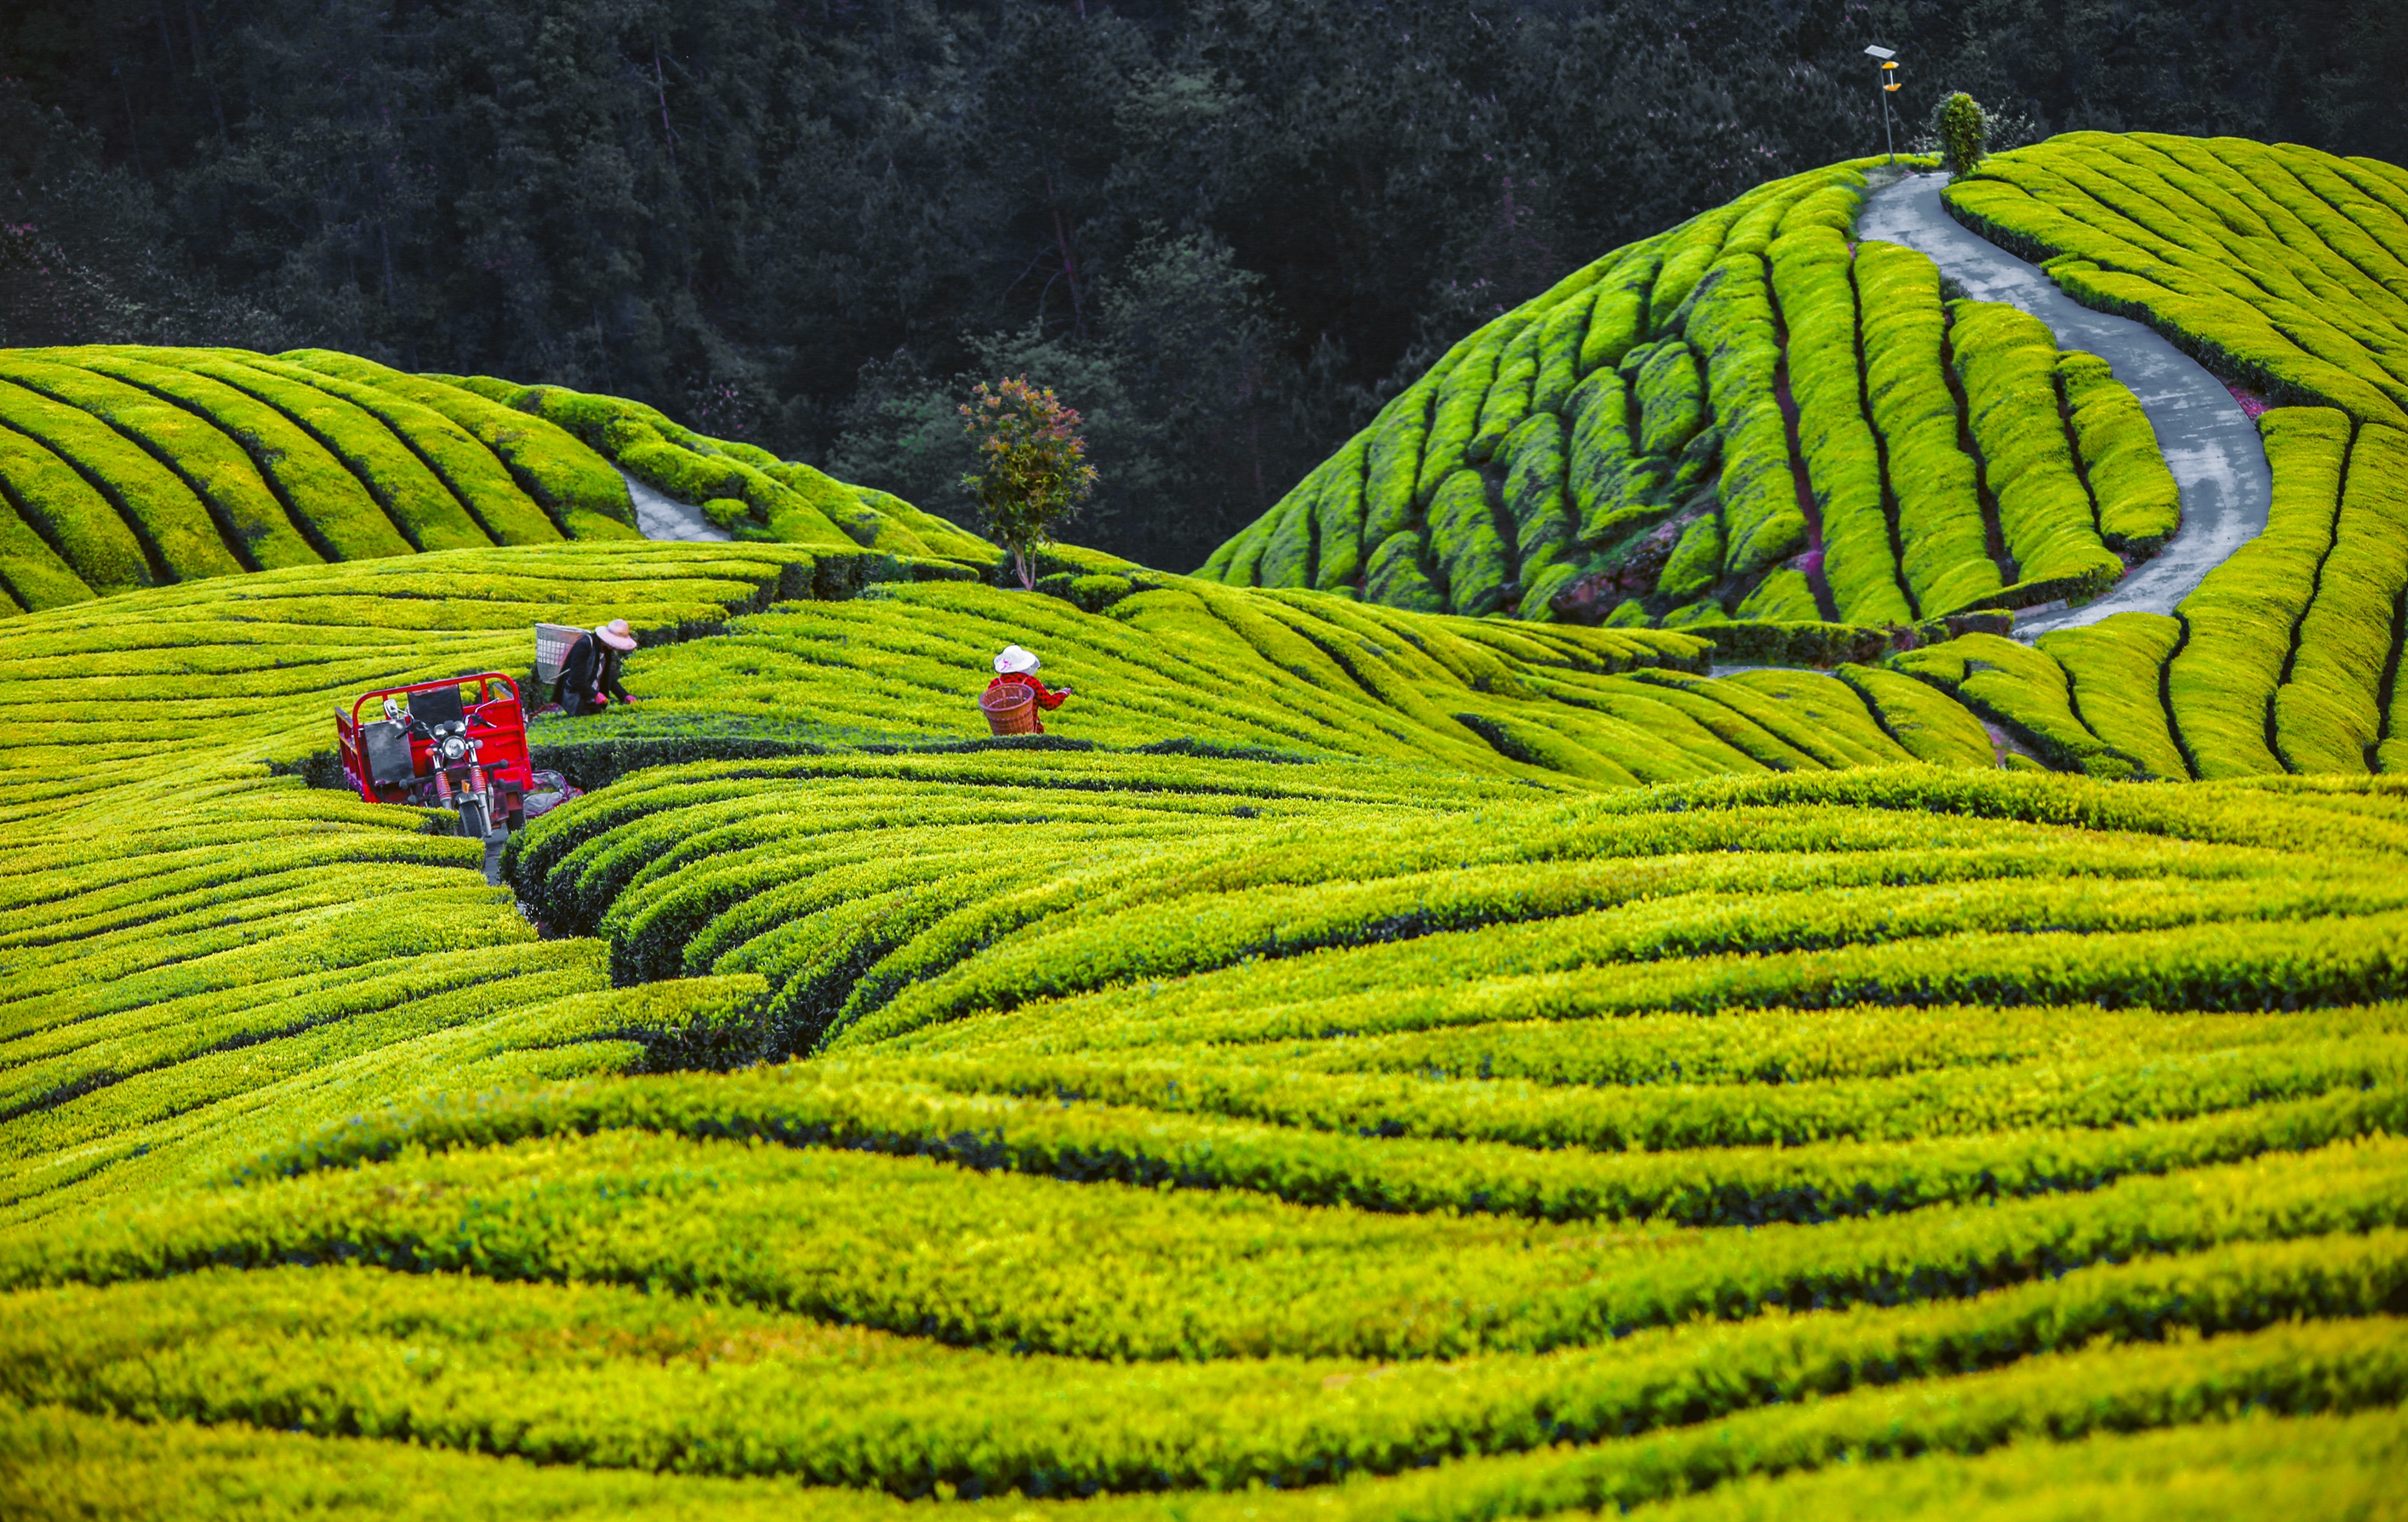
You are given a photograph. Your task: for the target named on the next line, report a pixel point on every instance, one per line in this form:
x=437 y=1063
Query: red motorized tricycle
x=458 y=744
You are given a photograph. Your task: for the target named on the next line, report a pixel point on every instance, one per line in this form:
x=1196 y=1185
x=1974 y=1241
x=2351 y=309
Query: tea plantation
x=124 y=468
x=1749 y=415
x=1367 y=1060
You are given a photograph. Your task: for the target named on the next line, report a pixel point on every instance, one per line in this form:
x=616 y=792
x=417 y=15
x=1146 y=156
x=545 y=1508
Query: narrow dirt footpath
x=2209 y=443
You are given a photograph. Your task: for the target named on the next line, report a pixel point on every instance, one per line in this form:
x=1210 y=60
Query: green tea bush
x=2021 y=687
x=1812 y=276
x=475 y=474
x=2328 y=715
x=2206 y=240
x=321 y=494
x=2239 y=625
x=1508 y=401
x=577 y=487
x=2007 y=362
x=240 y=510
x=173 y=526
x=2140 y=507
x=1733 y=323
x=1943 y=555
x=2118 y=673
x=61 y=508
x=1732 y=362
x=429 y=512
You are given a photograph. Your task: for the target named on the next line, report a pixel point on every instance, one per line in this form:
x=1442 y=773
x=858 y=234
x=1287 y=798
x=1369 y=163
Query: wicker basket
x=552 y=646
x=1010 y=709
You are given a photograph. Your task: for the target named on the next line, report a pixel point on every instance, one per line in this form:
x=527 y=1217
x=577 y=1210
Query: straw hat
x=1015 y=661
x=615 y=635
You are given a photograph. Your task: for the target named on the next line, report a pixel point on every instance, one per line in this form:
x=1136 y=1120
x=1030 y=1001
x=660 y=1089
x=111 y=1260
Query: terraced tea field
x=1749 y=416
x=1364 y=1060
x=123 y=466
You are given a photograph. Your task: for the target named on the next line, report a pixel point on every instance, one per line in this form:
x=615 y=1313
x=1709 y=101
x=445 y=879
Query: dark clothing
x=591 y=669
x=1046 y=700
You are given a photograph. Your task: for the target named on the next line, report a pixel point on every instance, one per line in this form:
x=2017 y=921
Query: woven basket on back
x=1010 y=709
x=552 y=642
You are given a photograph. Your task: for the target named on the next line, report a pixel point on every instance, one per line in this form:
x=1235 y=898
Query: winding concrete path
x=663 y=517
x=2209 y=443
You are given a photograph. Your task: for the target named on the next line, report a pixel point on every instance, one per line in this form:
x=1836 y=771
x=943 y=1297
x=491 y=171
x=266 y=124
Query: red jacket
x=1047 y=700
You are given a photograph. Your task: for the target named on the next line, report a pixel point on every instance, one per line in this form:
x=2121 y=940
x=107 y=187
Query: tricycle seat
x=386 y=745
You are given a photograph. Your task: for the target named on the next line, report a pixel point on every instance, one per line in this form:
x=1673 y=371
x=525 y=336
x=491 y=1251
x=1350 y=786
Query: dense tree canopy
x=1222 y=229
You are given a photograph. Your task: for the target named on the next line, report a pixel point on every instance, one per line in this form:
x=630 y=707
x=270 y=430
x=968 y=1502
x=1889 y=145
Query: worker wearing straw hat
x=589 y=677
x=1019 y=666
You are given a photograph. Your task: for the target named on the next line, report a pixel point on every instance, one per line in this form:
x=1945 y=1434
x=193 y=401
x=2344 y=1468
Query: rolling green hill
x=1748 y=416
x=123 y=466
x=1364 y=1060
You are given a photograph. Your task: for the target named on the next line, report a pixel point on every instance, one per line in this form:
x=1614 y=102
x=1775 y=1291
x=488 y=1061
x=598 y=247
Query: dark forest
x=1226 y=231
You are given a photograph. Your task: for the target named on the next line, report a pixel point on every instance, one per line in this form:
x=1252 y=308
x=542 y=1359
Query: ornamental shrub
x=1034 y=476
x=1964 y=132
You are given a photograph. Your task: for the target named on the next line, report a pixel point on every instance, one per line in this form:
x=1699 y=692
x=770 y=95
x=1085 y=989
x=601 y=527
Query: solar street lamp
x=1886 y=58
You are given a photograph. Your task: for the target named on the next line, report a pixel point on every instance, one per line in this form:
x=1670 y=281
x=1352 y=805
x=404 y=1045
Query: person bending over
x=589 y=677
x=1019 y=666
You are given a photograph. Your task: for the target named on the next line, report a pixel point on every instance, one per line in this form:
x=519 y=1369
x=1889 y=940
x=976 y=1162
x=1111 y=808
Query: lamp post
x=1887 y=75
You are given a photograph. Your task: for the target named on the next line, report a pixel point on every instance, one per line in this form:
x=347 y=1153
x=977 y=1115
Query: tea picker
x=1011 y=700
x=583 y=665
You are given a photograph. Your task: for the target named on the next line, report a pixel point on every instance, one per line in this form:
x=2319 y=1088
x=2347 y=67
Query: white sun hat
x=1015 y=661
x=615 y=634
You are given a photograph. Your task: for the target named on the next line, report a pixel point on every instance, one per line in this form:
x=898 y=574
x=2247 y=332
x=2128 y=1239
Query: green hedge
x=1783 y=596
x=1508 y=401
x=483 y=485
x=1945 y=553
x=2185 y=236
x=1393 y=575
x=2007 y=361
x=55 y=503
x=1537 y=499
x=1813 y=278
x=2140 y=507
x=794 y=502
x=404 y=485
x=1619 y=319
x=2022 y=688
x=1927 y=722
x=1392 y=462
x=2328 y=715
x=1695 y=562
x=179 y=539
x=585 y=497
x=2118 y=670
x=244 y=514
x=1464 y=541
x=1671 y=397
x=1288 y=550
x=1733 y=325
x=31 y=572
x=2239 y=624
x=1339 y=546
x=318 y=491
x=1613 y=486
x=1455 y=416
x=1562 y=338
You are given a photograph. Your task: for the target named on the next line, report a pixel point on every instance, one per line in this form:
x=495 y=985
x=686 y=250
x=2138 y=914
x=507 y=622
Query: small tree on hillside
x=1964 y=133
x=1035 y=475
